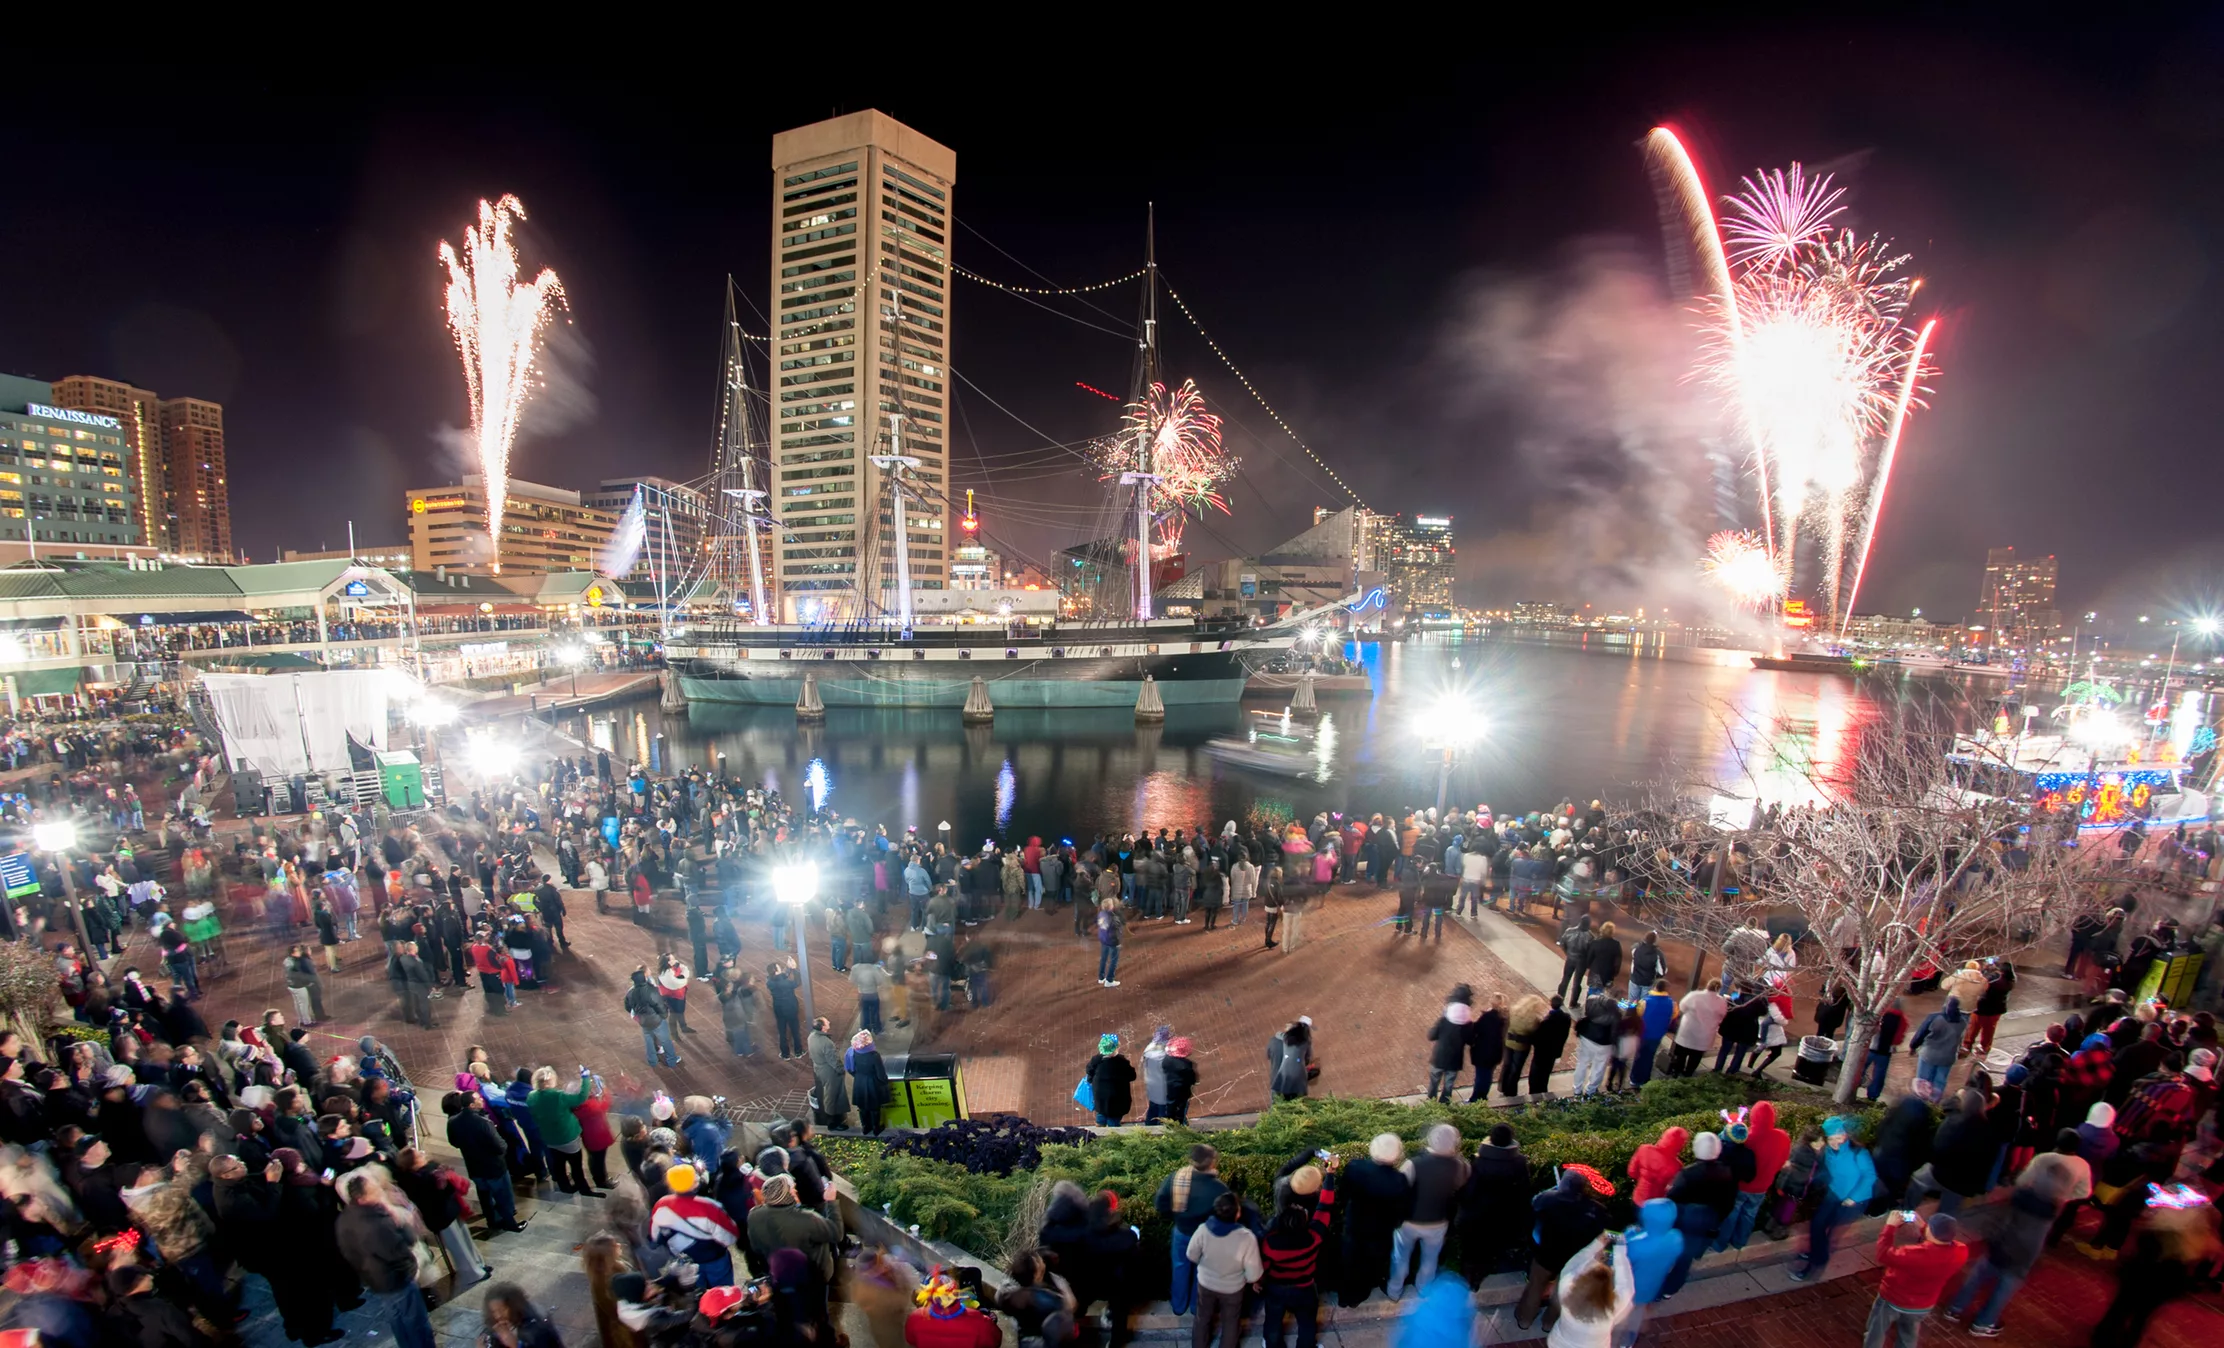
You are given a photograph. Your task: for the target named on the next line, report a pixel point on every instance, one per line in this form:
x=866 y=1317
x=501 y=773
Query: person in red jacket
x=1656 y=1163
x=593 y=1114
x=948 y=1317
x=1769 y=1146
x=1915 y=1276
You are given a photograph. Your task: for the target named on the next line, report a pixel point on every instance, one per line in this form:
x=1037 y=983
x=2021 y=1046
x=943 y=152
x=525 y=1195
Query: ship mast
x=1141 y=477
x=893 y=463
x=735 y=496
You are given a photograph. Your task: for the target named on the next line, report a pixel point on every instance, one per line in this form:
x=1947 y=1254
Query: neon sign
x=1374 y=598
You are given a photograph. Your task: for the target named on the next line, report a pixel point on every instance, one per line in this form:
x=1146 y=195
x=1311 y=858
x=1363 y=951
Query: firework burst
x=1185 y=454
x=497 y=321
x=1741 y=563
x=1807 y=337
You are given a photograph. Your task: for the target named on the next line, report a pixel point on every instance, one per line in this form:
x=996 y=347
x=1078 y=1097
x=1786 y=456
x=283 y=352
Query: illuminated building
x=2016 y=603
x=861 y=315
x=138 y=413
x=543 y=529
x=1420 y=561
x=195 y=479
x=64 y=487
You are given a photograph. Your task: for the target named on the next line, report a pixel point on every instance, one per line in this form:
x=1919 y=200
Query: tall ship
x=883 y=649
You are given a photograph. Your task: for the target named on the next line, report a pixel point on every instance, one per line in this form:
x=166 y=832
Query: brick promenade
x=1372 y=997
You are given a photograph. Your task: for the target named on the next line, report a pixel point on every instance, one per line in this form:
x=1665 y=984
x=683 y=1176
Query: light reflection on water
x=1563 y=725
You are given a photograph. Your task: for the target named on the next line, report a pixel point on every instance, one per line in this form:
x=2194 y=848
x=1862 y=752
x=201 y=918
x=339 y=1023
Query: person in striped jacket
x=1291 y=1252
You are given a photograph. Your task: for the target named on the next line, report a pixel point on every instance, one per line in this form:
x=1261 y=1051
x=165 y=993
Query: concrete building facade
x=861 y=210
x=64 y=484
x=543 y=529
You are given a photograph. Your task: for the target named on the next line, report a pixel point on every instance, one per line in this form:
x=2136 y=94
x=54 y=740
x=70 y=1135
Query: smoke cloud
x=1605 y=489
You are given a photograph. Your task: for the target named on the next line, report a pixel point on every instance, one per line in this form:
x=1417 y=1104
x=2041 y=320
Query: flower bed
x=925 y=1182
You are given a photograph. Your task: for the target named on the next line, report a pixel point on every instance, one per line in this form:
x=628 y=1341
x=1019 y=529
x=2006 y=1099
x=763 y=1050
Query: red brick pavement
x=2057 y=1308
x=1372 y=996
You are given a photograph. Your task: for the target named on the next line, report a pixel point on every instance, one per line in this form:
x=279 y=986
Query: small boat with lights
x=1278 y=744
x=1333 y=676
x=2089 y=761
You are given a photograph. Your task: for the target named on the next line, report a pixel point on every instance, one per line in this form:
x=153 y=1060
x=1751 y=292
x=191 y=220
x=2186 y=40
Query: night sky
x=1448 y=275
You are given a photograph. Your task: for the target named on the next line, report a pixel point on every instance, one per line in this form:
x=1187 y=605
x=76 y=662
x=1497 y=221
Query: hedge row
x=997 y=1215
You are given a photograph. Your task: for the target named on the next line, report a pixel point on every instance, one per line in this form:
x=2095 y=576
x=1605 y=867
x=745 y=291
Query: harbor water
x=1558 y=722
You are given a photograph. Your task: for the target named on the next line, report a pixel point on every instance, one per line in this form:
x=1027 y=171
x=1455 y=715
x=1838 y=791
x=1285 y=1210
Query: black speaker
x=247 y=792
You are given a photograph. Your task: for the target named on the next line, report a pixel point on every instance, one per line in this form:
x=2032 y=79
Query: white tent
x=282 y=724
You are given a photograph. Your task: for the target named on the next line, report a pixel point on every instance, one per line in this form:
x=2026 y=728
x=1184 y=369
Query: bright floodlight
x=2100 y=730
x=2208 y=626
x=492 y=758
x=1308 y=635
x=1452 y=721
x=432 y=713
x=796 y=884
x=574 y=656
x=57 y=835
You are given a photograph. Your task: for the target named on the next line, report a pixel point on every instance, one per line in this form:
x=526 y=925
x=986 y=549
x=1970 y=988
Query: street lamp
x=1452 y=725
x=56 y=837
x=572 y=657
x=796 y=886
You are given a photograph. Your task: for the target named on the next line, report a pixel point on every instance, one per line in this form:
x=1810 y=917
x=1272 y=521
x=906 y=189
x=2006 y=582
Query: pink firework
x=1182 y=442
x=1779 y=213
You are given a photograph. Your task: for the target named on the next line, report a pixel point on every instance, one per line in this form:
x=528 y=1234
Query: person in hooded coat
x=1654 y=1247
x=1768 y=1146
x=1568 y=1217
x=1656 y=1164
x=1493 y=1206
x=1448 y=1049
x=1961 y=1157
x=1703 y=1192
x=1545 y=1044
x=1936 y=1043
x=1181 y=1078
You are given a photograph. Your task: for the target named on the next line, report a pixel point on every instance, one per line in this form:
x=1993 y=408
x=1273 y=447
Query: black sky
x=1332 y=214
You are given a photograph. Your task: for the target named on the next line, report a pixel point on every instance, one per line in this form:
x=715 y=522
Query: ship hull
x=1015 y=677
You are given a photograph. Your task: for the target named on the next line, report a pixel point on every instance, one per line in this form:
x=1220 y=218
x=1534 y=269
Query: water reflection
x=1563 y=725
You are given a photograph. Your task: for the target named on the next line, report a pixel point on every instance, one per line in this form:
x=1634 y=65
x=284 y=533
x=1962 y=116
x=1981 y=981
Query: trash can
x=928 y=1090
x=401 y=779
x=1813 y=1063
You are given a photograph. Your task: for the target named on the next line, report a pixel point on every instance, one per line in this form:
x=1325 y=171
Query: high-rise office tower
x=860 y=345
x=200 y=496
x=1420 y=561
x=2016 y=604
x=139 y=413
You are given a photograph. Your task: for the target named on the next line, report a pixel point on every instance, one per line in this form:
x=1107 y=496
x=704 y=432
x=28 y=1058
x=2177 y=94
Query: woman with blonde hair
x=1780 y=957
x=1595 y=1292
x=604 y=1256
x=1521 y=1024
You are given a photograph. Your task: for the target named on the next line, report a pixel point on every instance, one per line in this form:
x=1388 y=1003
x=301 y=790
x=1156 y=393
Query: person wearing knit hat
x=1915 y=1274
x=1110 y=1078
x=1704 y=1191
x=1181 y=1078
x=781 y=1223
x=693 y=1227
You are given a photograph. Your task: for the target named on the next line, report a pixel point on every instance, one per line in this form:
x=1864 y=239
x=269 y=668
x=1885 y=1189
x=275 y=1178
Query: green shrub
x=992 y=1215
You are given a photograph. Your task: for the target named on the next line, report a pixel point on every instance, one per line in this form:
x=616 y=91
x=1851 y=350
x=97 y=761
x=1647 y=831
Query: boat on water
x=1081 y=665
x=1332 y=677
x=1278 y=744
x=1812 y=662
x=2108 y=787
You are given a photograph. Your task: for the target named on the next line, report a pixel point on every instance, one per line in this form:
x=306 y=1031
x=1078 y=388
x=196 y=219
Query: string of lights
x=1253 y=390
x=1092 y=289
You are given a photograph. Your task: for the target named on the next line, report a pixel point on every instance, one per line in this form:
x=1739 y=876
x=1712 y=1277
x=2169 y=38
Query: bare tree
x=1879 y=857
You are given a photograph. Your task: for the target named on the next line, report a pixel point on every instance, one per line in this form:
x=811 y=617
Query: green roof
x=232 y=586
x=285 y=577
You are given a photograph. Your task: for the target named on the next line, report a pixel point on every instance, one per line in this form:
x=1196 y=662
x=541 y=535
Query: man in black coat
x=1486 y=1045
x=1604 y=962
x=1545 y=1044
x=486 y=1157
x=138 y=1318
x=1494 y=1209
x=297 y=1057
x=1704 y=1192
x=1646 y=966
x=1568 y=1217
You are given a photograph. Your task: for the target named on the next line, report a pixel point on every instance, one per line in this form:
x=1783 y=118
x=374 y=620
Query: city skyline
x=2066 y=359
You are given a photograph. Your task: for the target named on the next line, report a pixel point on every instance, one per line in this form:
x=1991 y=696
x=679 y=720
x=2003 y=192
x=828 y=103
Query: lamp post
x=1451 y=725
x=796 y=886
x=56 y=837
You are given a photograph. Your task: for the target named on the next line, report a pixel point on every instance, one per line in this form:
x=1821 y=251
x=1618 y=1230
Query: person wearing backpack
x=646 y=1005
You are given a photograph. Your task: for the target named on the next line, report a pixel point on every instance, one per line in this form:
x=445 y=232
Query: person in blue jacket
x=1660 y=1013
x=1848 y=1178
x=1654 y=1247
